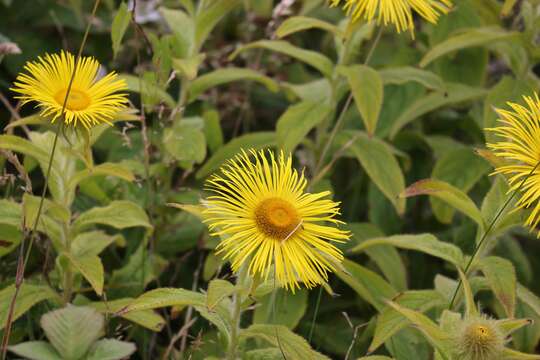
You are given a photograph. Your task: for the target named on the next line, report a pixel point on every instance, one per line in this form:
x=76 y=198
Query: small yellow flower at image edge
x=519 y=148
x=91 y=100
x=396 y=12
x=268 y=222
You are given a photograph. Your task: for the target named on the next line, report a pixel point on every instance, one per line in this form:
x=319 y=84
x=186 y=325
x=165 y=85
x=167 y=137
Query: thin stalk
x=233 y=344
x=24 y=255
x=348 y=103
x=486 y=233
x=317 y=304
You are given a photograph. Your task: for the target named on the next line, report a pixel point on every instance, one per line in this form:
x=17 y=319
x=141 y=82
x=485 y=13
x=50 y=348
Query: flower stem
x=236 y=315
x=488 y=230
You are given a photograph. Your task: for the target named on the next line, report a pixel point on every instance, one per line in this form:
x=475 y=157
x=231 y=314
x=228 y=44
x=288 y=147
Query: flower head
x=396 y=12
x=479 y=338
x=91 y=100
x=520 y=148
x=265 y=218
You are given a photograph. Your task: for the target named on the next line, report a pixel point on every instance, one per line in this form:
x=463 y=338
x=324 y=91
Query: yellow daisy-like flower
x=520 y=149
x=91 y=101
x=265 y=219
x=396 y=12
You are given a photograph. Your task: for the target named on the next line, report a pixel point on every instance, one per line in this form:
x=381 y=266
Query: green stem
x=345 y=108
x=236 y=315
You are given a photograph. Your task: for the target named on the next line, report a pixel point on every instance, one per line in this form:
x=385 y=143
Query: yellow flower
x=397 y=12
x=265 y=220
x=92 y=100
x=520 y=148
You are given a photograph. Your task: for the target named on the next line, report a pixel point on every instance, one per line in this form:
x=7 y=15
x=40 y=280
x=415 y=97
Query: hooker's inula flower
x=91 y=100
x=265 y=218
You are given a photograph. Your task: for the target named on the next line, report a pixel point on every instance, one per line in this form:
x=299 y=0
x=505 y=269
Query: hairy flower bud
x=479 y=338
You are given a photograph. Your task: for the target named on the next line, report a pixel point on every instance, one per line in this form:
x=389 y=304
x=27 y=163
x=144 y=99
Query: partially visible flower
x=396 y=12
x=479 y=338
x=91 y=101
x=520 y=148
x=267 y=221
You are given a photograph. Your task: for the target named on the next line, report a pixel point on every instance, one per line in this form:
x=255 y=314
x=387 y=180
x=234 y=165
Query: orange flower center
x=77 y=100
x=277 y=218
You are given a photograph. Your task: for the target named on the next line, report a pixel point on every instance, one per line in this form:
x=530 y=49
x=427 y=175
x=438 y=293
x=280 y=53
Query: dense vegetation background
x=199 y=93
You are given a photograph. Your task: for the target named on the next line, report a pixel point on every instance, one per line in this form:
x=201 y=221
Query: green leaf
x=188 y=67
x=227 y=75
x=183 y=28
x=447 y=193
x=36 y=350
x=106 y=169
x=91 y=268
x=218 y=290
x=507 y=7
x=313 y=58
x=426 y=243
x=185 y=142
x=146 y=318
x=296 y=122
x=466 y=39
x=461 y=168
x=256 y=141
x=529 y=298
x=212 y=130
x=454 y=94
x=29 y=295
x=281 y=308
x=470 y=306
x=72 y=330
x=208 y=18
x=299 y=23
x=367 y=88
x=379 y=162
x=501 y=276
x=119 y=214
x=293 y=346
x=139 y=85
x=164 y=297
x=390 y=322
x=510 y=354
x=405 y=74
x=119 y=26
x=508 y=326
x=375 y=357
x=92 y=243
x=111 y=349
x=370 y=286
x=436 y=337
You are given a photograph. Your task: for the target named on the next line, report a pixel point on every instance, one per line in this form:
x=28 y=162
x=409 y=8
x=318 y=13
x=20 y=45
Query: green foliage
x=374 y=117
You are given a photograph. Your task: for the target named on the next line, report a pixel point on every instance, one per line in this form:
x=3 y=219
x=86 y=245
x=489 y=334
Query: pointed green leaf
x=36 y=350
x=292 y=345
x=110 y=349
x=218 y=290
x=299 y=23
x=119 y=26
x=510 y=354
x=379 y=162
x=208 y=18
x=146 y=318
x=405 y=74
x=281 y=308
x=426 y=243
x=72 y=330
x=119 y=214
x=501 y=276
x=106 y=169
x=370 y=286
x=313 y=58
x=473 y=37
x=29 y=295
x=367 y=88
x=470 y=306
x=508 y=326
x=296 y=122
x=227 y=75
x=91 y=269
x=447 y=193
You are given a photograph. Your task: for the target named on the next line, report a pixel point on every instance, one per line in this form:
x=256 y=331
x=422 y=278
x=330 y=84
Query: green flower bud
x=479 y=338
